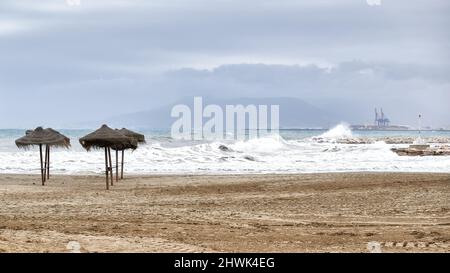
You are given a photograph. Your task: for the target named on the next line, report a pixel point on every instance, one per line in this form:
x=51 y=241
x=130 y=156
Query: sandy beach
x=235 y=213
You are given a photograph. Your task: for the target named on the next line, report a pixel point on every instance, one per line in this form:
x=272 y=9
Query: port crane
x=381 y=119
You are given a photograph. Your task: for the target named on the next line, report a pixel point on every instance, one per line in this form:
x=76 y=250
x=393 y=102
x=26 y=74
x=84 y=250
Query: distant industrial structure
x=380 y=119
x=382 y=122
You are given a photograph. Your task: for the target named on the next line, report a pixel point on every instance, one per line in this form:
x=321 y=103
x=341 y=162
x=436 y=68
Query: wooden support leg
x=48 y=163
x=45 y=163
x=106 y=168
x=117 y=165
x=42 y=165
x=110 y=166
x=121 y=171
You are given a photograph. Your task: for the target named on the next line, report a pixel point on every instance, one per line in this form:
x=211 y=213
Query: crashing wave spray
x=341 y=131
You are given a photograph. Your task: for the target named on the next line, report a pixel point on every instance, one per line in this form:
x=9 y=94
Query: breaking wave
x=300 y=153
x=341 y=131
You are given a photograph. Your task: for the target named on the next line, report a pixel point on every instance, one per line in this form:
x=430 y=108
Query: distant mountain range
x=294 y=113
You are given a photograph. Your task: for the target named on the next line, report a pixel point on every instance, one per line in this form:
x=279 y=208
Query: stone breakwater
x=428 y=151
x=387 y=140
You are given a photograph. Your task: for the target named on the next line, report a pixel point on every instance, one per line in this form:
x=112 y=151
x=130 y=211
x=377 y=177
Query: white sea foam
x=269 y=154
x=267 y=145
x=338 y=133
x=341 y=131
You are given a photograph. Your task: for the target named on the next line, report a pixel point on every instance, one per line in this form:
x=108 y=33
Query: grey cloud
x=59 y=57
x=350 y=90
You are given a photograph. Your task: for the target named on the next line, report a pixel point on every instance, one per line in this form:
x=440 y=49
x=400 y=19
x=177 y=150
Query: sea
x=287 y=152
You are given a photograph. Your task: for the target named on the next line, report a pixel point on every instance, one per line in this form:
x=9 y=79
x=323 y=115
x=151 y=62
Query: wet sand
x=235 y=213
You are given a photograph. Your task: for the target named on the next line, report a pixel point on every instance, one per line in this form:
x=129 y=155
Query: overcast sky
x=62 y=62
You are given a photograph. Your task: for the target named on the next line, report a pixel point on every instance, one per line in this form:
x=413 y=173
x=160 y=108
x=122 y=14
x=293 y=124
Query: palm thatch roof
x=109 y=138
x=66 y=139
x=140 y=138
x=41 y=136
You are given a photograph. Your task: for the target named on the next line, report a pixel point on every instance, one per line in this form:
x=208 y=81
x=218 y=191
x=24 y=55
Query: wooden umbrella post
x=45 y=163
x=106 y=168
x=108 y=138
x=48 y=163
x=110 y=166
x=42 y=165
x=117 y=165
x=121 y=170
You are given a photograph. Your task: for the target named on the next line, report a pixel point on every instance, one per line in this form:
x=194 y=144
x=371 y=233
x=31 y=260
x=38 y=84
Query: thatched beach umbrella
x=139 y=138
x=40 y=137
x=66 y=141
x=108 y=139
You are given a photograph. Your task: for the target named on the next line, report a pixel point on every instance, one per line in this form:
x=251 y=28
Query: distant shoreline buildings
x=381 y=122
